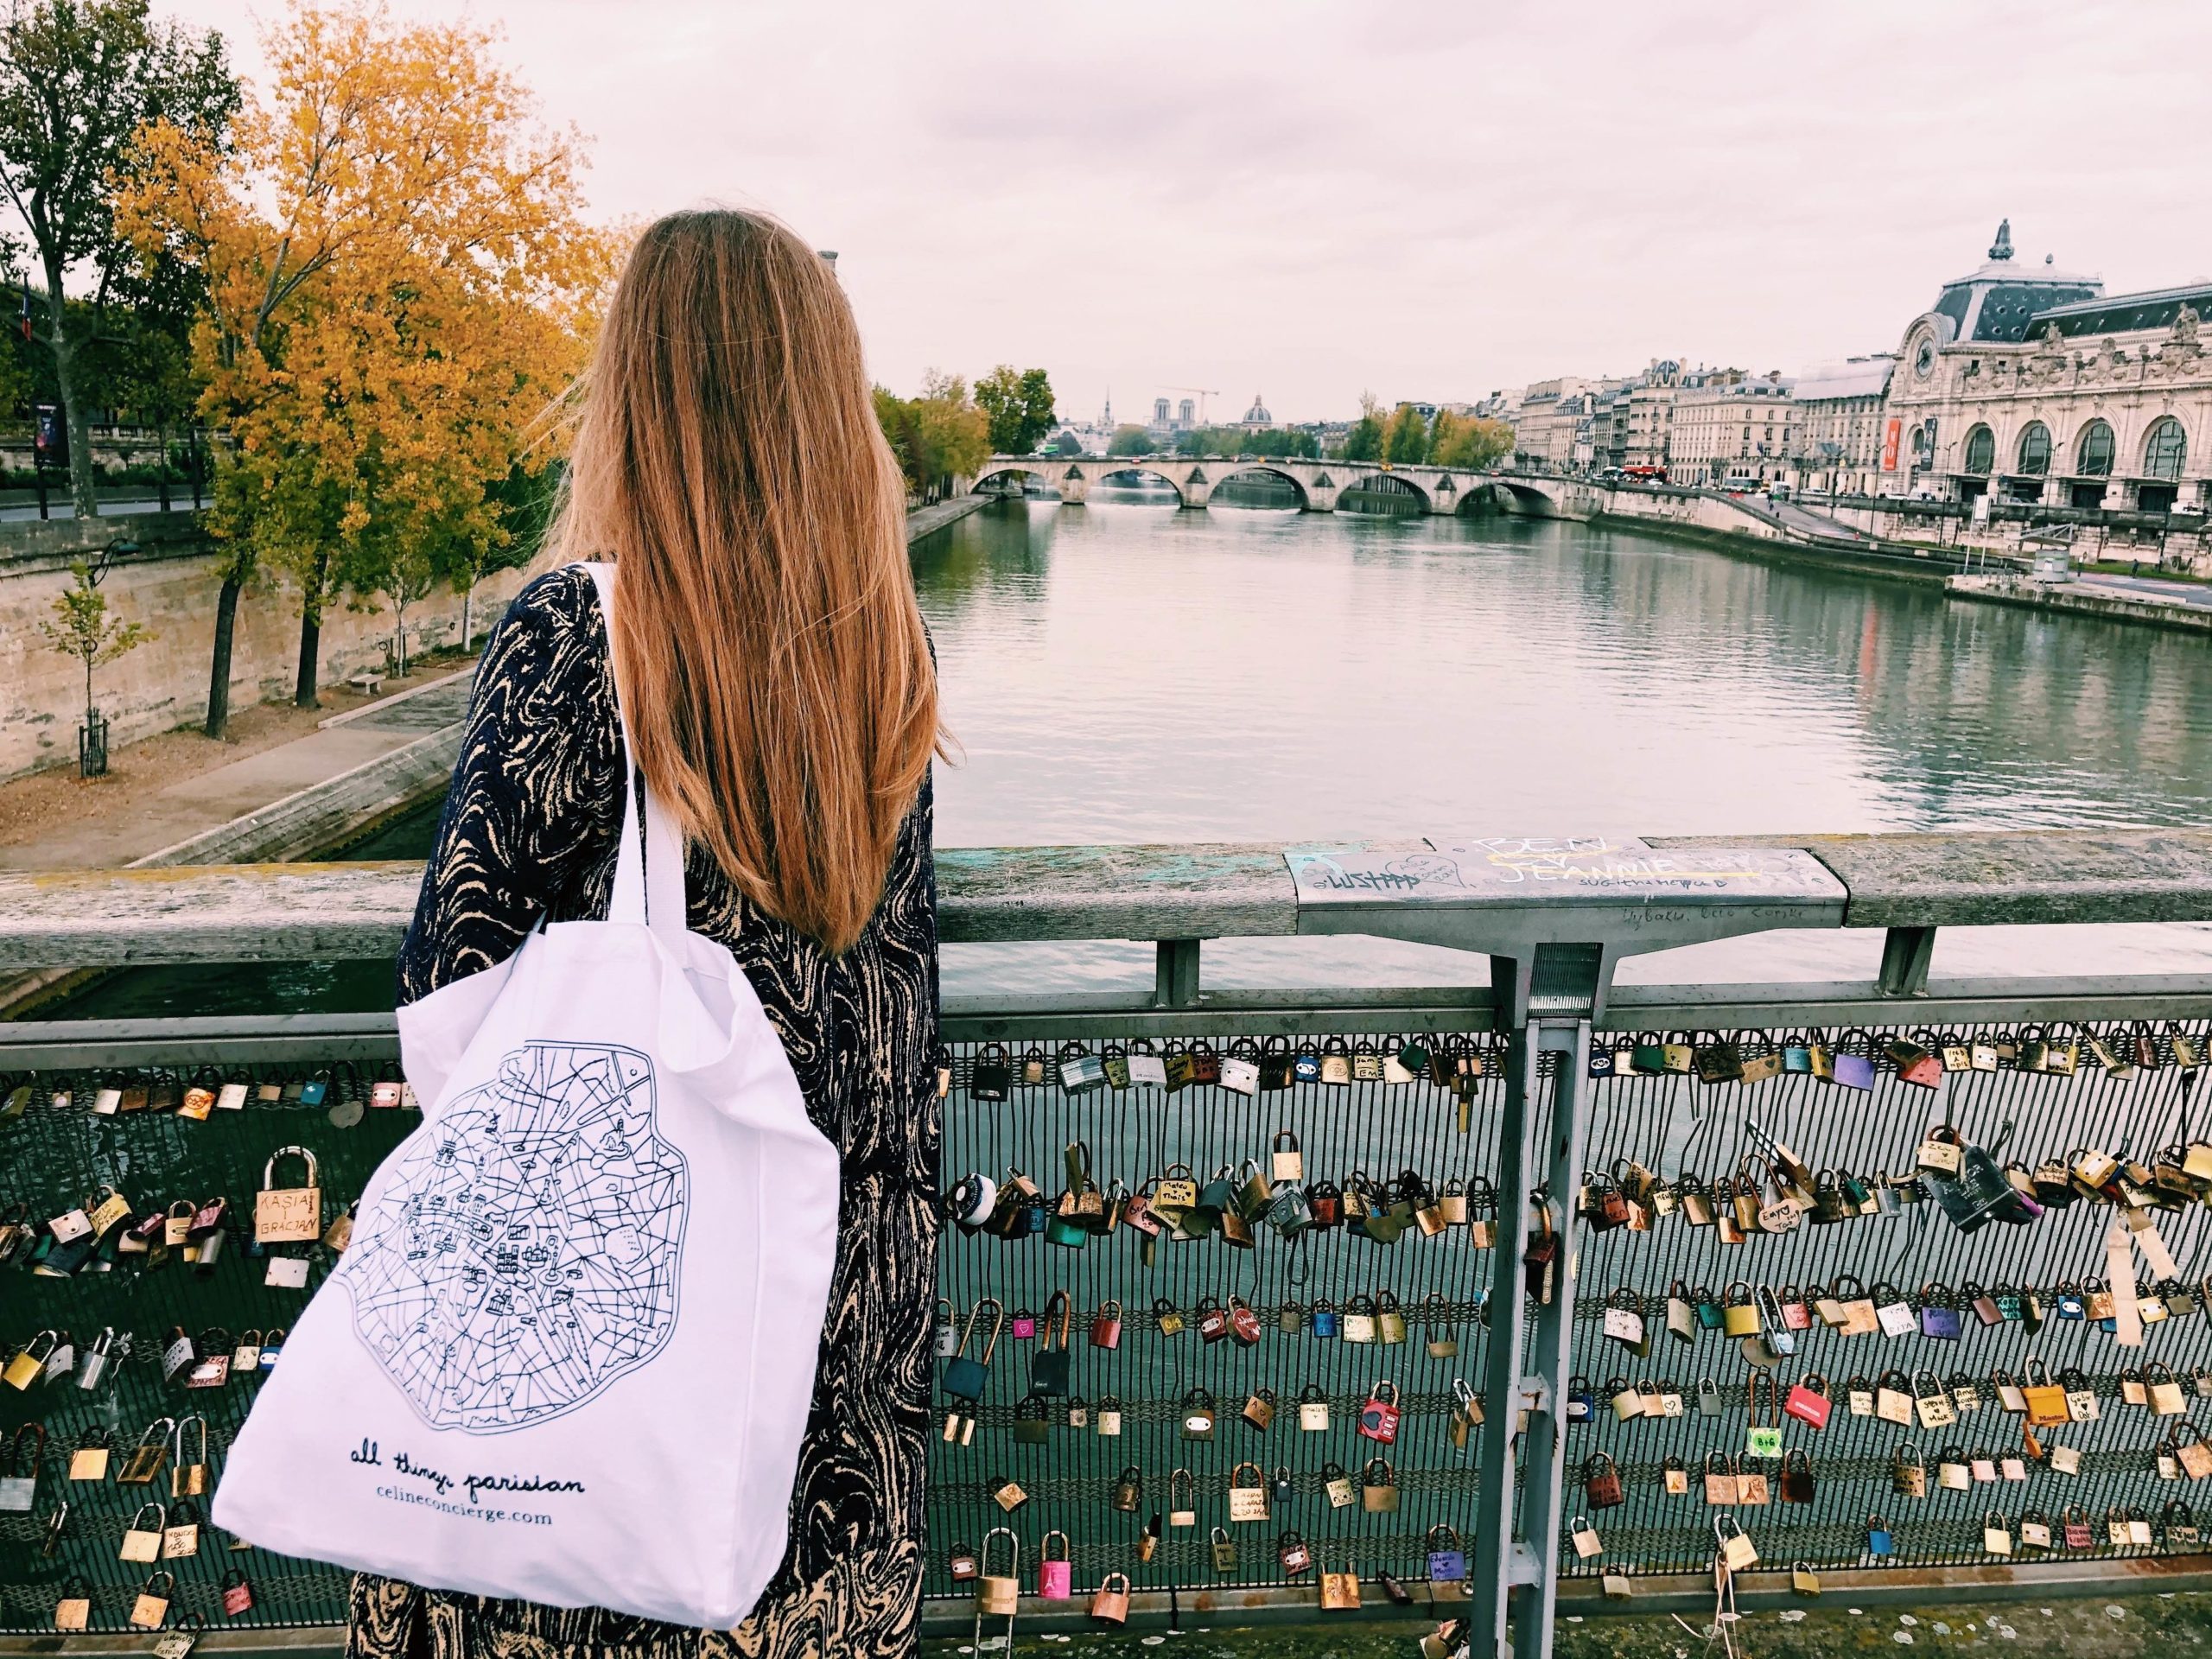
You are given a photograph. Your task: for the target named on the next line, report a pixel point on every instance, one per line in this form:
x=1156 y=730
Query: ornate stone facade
x=2041 y=387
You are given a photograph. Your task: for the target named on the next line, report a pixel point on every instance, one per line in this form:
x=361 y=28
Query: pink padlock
x=1023 y=1328
x=1055 y=1577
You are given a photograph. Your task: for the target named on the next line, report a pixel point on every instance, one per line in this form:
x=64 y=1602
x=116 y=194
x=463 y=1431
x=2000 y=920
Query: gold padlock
x=147 y=1458
x=1740 y=1318
x=1110 y=1603
x=142 y=1543
x=151 y=1604
x=74 y=1611
x=288 y=1215
x=189 y=1467
x=29 y=1363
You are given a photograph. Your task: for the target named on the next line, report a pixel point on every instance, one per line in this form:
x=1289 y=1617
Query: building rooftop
x=1999 y=301
x=2117 y=314
x=1862 y=376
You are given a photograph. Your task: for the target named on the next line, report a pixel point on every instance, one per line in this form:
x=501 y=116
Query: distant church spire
x=2003 y=247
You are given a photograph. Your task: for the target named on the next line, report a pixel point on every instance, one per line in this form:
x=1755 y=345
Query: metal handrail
x=262 y=912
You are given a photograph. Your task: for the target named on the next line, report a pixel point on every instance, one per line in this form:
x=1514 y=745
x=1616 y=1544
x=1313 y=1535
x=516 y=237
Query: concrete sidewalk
x=181 y=822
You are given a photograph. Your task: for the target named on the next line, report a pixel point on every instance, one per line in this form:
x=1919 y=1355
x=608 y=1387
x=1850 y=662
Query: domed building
x=1257 y=416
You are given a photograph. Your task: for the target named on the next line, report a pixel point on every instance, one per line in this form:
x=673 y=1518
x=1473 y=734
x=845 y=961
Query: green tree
x=1130 y=441
x=1018 y=403
x=1066 y=444
x=1266 y=443
x=78 y=79
x=1467 y=442
x=1364 y=441
x=1405 y=440
x=939 y=435
x=82 y=628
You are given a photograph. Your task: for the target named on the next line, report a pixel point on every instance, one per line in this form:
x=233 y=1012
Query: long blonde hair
x=769 y=651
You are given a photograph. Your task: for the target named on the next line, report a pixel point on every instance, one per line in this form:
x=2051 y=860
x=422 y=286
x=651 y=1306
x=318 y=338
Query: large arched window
x=1981 y=451
x=2165 y=449
x=2093 y=455
x=2035 y=449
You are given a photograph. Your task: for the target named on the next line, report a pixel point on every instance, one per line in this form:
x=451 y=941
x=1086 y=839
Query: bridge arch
x=1368 y=479
x=1041 y=469
x=1527 y=499
x=1264 y=469
x=1114 y=466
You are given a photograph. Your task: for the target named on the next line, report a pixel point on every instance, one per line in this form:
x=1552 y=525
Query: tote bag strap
x=649 y=867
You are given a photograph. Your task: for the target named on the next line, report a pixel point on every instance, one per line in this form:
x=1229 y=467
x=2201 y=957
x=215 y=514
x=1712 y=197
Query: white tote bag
x=569 y=1352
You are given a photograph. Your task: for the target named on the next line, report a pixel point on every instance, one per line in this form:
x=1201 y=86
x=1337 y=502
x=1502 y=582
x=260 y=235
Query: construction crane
x=1203 y=392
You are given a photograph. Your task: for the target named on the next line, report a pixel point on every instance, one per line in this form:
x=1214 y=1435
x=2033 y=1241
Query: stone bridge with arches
x=1320 y=484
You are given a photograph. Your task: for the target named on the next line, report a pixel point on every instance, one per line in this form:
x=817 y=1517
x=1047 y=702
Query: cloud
x=1428 y=199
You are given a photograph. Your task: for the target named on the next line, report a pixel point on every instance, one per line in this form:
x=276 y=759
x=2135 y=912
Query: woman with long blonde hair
x=782 y=705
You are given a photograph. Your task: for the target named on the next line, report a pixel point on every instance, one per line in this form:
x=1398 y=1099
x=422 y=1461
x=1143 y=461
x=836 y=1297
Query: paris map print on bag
x=523 y=1253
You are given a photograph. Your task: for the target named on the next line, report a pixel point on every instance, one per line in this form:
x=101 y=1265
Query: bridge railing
x=1466 y=1112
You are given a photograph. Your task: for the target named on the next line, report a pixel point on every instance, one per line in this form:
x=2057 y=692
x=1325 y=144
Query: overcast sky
x=1426 y=201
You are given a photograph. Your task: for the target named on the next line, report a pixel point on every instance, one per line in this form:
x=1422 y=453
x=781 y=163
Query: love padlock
x=1055 y=1573
x=1378 y=1418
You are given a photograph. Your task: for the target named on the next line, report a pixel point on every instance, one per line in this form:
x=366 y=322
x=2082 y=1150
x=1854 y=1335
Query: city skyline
x=1432 y=209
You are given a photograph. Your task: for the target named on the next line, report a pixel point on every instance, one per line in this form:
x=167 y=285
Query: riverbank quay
x=162 y=571
x=1782 y=532
x=2102 y=599
x=1507 y=1086
x=927 y=520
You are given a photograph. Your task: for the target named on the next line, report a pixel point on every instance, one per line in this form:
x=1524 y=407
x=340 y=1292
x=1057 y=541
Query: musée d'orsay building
x=2034 y=384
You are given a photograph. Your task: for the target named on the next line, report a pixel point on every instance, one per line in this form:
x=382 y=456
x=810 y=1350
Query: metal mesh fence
x=1369 y=1133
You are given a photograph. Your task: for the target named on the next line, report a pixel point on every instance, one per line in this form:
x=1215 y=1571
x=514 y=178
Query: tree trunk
x=218 y=672
x=304 y=689
x=163 y=475
x=81 y=491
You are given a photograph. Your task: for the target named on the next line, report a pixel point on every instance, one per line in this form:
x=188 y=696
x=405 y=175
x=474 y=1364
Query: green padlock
x=1031 y=1423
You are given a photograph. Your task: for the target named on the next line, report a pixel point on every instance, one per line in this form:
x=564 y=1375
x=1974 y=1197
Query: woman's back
x=813 y=730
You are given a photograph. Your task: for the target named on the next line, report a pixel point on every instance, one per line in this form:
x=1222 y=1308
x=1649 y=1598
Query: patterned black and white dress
x=529 y=830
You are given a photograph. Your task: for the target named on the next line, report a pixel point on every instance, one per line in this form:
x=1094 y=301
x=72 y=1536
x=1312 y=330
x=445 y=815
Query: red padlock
x=1213 y=1321
x=1915 y=1064
x=1243 y=1323
x=1292 y=1551
x=1326 y=1200
x=1106 y=1327
x=1808 y=1403
x=1378 y=1418
x=237 y=1594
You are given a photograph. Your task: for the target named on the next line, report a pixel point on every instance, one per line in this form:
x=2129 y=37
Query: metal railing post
x=1550 y=1346
x=1490 y=1574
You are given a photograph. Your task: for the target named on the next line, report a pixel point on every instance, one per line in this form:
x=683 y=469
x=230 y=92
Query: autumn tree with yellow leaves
x=399 y=289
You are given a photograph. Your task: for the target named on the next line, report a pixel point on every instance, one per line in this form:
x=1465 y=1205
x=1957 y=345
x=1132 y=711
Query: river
x=1126 y=671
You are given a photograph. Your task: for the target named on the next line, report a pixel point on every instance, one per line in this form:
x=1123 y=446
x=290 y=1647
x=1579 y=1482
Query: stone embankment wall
x=170 y=586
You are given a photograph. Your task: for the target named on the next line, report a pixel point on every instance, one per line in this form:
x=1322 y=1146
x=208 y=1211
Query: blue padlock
x=1601 y=1060
x=1325 y=1321
x=1938 y=1315
x=1581 y=1403
x=2070 y=1303
x=1306 y=1066
x=1879 y=1542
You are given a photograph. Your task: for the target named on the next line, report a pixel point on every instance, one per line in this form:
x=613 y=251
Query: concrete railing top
x=296 y=912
